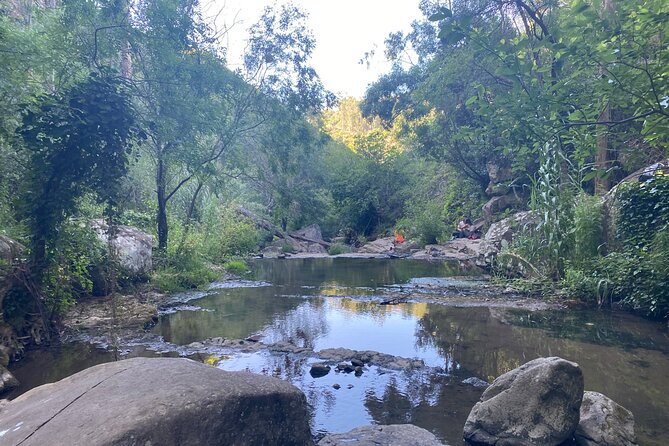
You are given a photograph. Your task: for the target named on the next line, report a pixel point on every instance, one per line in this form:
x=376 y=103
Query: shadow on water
x=327 y=303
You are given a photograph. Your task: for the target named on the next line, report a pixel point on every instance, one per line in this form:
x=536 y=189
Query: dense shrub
x=643 y=209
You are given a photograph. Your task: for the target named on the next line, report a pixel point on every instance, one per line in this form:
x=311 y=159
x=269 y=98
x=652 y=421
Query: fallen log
x=267 y=225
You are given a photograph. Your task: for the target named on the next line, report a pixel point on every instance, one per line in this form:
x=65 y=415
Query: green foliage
x=643 y=208
x=238 y=267
x=79 y=141
x=587 y=228
x=68 y=275
x=182 y=271
x=338 y=248
x=228 y=236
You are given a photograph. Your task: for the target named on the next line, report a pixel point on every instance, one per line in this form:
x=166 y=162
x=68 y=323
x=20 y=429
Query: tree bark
x=602 y=158
x=161 y=217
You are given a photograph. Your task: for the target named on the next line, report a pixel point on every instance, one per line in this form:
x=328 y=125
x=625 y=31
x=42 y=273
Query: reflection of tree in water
x=470 y=340
x=300 y=326
x=375 y=311
x=349 y=272
x=434 y=402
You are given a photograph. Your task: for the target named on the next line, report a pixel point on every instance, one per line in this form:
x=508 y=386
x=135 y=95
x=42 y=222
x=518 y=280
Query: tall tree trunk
x=603 y=184
x=161 y=217
x=189 y=215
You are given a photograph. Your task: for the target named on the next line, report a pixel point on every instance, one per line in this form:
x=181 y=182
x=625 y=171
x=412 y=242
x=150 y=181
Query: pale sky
x=344 y=30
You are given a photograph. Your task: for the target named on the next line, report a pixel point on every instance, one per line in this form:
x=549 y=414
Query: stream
x=334 y=302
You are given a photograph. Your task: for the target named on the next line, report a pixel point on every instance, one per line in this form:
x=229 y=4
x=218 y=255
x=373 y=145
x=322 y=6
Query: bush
x=338 y=248
x=181 y=272
x=643 y=208
x=237 y=267
x=229 y=237
x=587 y=228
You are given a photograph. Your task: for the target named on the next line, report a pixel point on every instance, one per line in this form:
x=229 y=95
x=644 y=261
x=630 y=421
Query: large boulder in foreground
x=134 y=247
x=604 y=422
x=158 y=401
x=536 y=404
x=391 y=435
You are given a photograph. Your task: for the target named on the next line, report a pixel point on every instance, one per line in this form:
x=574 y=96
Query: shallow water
x=324 y=303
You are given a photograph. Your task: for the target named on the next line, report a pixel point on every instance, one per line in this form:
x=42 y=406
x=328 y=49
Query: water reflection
x=329 y=303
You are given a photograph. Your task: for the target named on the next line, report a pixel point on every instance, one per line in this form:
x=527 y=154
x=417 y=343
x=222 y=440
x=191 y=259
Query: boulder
x=10 y=249
x=319 y=370
x=158 y=401
x=500 y=174
x=134 y=247
x=501 y=203
x=536 y=404
x=502 y=232
x=391 y=435
x=311 y=232
x=604 y=422
x=379 y=246
x=7 y=380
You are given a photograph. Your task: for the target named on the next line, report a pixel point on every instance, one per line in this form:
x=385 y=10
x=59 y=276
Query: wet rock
x=287 y=347
x=369 y=357
x=346 y=368
x=358 y=371
x=604 y=423
x=475 y=382
x=159 y=401
x=319 y=370
x=7 y=380
x=535 y=404
x=357 y=363
x=391 y=435
x=134 y=247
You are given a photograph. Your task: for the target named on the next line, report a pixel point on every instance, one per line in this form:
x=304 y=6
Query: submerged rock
x=319 y=370
x=391 y=435
x=604 y=422
x=367 y=357
x=159 y=401
x=536 y=404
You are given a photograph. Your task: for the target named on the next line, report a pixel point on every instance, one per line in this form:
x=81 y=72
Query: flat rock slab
x=391 y=435
x=159 y=401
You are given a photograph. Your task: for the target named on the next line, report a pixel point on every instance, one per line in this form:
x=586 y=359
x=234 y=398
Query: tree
x=79 y=141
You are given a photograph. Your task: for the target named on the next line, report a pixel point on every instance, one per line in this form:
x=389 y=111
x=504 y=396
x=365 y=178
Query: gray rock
x=505 y=229
x=501 y=175
x=159 y=401
x=7 y=380
x=10 y=250
x=319 y=370
x=604 y=422
x=475 y=382
x=311 y=232
x=134 y=247
x=501 y=203
x=391 y=435
x=536 y=404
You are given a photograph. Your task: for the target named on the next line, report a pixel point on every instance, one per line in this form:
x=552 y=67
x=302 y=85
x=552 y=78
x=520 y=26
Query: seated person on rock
x=464 y=229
